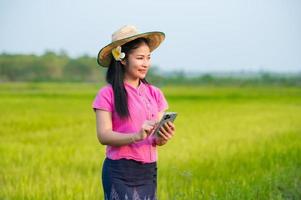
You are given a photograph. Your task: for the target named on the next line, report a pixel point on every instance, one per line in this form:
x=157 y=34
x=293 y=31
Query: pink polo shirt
x=144 y=103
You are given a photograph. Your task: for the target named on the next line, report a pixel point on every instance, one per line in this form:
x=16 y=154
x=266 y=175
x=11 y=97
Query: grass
x=230 y=143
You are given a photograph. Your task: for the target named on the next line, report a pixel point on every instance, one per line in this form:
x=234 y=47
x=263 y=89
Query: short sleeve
x=161 y=101
x=104 y=99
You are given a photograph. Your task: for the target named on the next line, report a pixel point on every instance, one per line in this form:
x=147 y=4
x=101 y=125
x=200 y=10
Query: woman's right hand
x=146 y=129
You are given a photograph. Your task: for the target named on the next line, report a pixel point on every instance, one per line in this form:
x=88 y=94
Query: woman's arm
x=106 y=136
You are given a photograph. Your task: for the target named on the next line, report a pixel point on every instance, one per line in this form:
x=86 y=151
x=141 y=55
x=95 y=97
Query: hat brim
x=154 y=38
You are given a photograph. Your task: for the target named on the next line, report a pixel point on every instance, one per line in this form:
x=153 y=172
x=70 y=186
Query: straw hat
x=126 y=34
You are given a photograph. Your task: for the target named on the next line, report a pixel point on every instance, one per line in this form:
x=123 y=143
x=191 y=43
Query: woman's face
x=137 y=62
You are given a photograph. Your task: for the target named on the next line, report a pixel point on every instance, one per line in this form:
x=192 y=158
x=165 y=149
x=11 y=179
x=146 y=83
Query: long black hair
x=115 y=76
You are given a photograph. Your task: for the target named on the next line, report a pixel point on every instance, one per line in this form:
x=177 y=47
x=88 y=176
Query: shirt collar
x=139 y=88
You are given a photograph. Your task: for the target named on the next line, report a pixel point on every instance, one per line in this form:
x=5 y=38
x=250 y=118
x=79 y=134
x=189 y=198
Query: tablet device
x=168 y=116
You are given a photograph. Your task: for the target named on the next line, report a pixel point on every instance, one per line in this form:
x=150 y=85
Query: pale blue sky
x=201 y=35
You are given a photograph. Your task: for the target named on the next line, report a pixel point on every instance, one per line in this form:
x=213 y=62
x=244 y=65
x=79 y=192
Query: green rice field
x=230 y=143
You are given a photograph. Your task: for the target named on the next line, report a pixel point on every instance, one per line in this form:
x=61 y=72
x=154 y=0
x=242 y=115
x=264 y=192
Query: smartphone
x=168 y=116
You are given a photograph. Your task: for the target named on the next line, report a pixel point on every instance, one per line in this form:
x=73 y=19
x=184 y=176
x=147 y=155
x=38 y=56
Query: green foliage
x=258 y=79
x=49 y=67
x=230 y=143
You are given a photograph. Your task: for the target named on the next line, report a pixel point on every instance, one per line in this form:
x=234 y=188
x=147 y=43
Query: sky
x=201 y=35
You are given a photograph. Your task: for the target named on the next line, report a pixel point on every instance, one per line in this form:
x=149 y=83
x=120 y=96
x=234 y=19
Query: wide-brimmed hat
x=126 y=34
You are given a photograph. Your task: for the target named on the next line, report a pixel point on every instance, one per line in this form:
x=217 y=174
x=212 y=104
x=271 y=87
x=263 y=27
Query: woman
x=127 y=111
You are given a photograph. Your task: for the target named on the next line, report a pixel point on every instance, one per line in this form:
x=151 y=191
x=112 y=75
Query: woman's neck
x=135 y=83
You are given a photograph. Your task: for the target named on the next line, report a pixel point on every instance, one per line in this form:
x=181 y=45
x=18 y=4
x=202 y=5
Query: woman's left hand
x=165 y=133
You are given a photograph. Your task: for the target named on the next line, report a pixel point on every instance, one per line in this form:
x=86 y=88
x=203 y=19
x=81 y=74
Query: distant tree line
x=261 y=78
x=48 y=67
x=59 y=67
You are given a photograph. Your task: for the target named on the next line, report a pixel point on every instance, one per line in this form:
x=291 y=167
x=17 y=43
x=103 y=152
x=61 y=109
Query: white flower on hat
x=117 y=54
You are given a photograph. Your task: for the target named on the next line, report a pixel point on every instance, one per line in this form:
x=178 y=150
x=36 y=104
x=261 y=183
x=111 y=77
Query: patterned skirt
x=129 y=180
